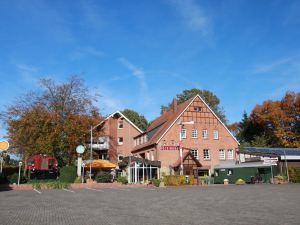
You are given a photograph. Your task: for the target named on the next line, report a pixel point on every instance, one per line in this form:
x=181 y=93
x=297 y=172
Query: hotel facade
x=189 y=139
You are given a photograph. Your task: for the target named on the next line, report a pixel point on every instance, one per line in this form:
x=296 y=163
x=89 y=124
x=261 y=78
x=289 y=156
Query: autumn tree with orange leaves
x=276 y=122
x=53 y=121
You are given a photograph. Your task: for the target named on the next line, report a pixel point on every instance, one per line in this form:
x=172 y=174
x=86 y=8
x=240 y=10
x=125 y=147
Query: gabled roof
x=168 y=119
x=122 y=115
x=185 y=155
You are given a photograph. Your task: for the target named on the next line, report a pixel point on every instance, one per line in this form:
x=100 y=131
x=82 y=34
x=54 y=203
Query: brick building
x=206 y=141
x=115 y=140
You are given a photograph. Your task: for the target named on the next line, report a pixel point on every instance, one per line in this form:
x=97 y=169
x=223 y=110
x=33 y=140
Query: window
x=216 y=134
x=148 y=155
x=230 y=154
x=120 y=124
x=221 y=154
x=195 y=153
x=229 y=172
x=183 y=133
x=120 y=157
x=194 y=133
x=152 y=155
x=120 y=140
x=206 y=155
x=204 y=134
x=197 y=109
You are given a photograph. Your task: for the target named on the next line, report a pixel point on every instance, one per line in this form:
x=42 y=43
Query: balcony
x=101 y=144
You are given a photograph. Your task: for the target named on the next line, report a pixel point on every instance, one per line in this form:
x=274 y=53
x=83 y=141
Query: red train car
x=42 y=166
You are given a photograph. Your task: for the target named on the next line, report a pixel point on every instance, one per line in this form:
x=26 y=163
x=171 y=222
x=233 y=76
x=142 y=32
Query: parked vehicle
x=42 y=167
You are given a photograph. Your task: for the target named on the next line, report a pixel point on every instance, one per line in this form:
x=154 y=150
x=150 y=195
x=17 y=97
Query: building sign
x=271 y=161
x=169 y=147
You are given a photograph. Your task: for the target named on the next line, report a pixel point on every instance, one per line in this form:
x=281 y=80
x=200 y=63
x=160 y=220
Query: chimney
x=174 y=104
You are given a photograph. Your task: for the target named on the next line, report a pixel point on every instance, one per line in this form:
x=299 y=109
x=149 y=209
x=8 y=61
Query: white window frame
x=230 y=154
x=120 y=121
x=216 y=134
x=152 y=155
x=205 y=134
x=195 y=153
x=222 y=154
x=119 y=142
x=194 y=133
x=183 y=133
x=206 y=156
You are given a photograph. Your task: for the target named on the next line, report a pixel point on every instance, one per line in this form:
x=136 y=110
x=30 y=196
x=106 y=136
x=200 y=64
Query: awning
x=101 y=164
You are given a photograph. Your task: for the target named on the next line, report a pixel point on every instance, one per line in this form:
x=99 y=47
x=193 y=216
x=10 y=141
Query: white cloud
x=193 y=14
x=84 y=52
x=27 y=72
x=141 y=76
x=270 y=66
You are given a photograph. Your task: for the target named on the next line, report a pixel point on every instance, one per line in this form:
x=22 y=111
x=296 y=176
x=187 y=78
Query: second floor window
x=183 y=133
x=230 y=154
x=204 y=134
x=194 y=133
x=221 y=154
x=206 y=154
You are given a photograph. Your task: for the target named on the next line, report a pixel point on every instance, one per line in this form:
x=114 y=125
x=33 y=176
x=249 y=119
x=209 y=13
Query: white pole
x=91 y=154
x=20 y=164
x=150 y=172
x=180 y=150
x=272 y=173
x=286 y=167
x=129 y=170
x=135 y=172
x=79 y=165
x=143 y=173
x=82 y=180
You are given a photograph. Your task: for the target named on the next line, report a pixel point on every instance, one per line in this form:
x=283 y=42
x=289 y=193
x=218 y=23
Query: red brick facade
x=116 y=127
x=219 y=144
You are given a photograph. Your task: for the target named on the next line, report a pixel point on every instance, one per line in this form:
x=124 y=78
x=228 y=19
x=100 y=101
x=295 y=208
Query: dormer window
x=197 y=109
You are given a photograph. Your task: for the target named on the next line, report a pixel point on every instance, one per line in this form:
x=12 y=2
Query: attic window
x=120 y=124
x=197 y=109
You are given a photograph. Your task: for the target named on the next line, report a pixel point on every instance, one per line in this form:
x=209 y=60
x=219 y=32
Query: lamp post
x=181 y=125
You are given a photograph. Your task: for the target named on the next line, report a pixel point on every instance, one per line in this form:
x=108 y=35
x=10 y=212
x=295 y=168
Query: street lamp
x=181 y=125
x=91 y=152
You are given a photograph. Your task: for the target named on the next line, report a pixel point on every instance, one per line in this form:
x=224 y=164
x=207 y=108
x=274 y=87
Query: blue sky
x=140 y=54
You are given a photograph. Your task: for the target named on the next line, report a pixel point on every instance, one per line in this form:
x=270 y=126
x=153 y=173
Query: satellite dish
x=80 y=149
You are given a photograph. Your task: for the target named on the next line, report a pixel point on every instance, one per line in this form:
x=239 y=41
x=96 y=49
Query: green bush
x=176 y=180
x=102 y=177
x=67 y=174
x=156 y=182
x=294 y=173
x=122 y=180
x=240 y=182
x=14 y=178
x=281 y=178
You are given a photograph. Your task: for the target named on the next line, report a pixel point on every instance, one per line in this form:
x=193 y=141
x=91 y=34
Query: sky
x=140 y=54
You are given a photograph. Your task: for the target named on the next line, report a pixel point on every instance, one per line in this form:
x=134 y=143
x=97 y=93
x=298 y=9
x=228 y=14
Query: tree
x=52 y=121
x=139 y=120
x=273 y=123
x=210 y=98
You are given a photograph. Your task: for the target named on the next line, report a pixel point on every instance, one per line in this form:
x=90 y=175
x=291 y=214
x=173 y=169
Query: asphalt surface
x=248 y=204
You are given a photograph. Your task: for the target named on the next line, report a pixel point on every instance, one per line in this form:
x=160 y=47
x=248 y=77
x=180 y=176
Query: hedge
x=294 y=174
x=176 y=180
x=102 y=177
x=67 y=174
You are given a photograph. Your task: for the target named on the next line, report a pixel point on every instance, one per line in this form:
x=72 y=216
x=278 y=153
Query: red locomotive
x=42 y=166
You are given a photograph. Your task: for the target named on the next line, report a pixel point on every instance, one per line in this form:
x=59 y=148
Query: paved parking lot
x=249 y=204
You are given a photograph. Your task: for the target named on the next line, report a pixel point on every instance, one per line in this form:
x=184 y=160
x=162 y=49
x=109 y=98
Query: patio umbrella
x=101 y=164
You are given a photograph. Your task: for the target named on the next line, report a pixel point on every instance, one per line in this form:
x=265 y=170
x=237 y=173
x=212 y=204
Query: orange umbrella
x=101 y=164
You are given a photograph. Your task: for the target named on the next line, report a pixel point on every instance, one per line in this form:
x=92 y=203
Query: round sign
x=4 y=145
x=80 y=149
